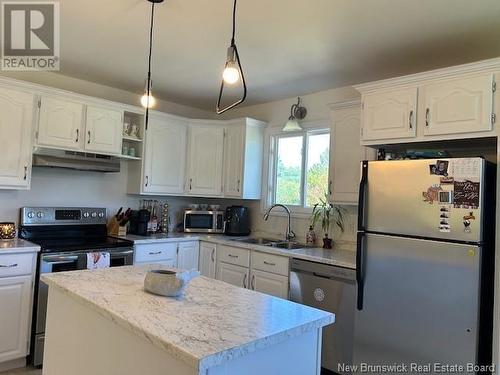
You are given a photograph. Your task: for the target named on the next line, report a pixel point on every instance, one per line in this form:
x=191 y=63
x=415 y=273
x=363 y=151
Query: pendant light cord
x=149 y=62
x=234 y=23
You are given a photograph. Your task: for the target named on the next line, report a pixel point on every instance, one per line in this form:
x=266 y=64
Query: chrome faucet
x=290 y=235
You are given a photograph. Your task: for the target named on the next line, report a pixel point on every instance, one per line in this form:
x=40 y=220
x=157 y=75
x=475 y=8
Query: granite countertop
x=341 y=255
x=212 y=323
x=18 y=245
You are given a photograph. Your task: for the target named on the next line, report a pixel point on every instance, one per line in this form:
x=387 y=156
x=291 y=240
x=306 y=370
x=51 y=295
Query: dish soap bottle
x=311 y=236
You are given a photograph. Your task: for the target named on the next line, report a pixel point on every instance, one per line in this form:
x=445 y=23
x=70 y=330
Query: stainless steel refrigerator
x=424 y=263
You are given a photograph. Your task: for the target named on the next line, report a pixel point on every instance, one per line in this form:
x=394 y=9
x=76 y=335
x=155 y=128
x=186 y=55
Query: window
x=300 y=165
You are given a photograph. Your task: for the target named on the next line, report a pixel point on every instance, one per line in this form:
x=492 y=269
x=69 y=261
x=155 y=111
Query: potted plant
x=328 y=213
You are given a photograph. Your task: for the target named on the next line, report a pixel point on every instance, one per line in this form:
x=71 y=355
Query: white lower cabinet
x=255 y=270
x=207 y=263
x=15 y=316
x=183 y=255
x=232 y=274
x=188 y=254
x=269 y=283
x=162 y=253
x=16 y=296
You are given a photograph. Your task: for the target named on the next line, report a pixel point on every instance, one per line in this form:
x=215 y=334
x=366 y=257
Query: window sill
x=299 y=213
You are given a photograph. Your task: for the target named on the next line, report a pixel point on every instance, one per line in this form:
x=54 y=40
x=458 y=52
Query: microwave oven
x=203 y=221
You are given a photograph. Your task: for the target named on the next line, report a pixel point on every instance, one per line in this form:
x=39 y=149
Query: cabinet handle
x=245 y=281
x=239 y=185
x=270 y=264
x=154 y=252
x=427 y=111
x=330 y=187
x=88 y=141
x=411 y=119
x=190 y=184
x=212 y=256
x=8 y=266
x=253 y=282
x=77 y=135
x=232 y=256
x=25 y=172
x=147 y=181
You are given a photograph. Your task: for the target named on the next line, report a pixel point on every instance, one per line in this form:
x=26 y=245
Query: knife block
x=115 y=229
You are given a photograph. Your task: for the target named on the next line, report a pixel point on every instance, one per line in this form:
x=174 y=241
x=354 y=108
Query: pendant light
x=148 y=100
x=296 y=113
x=233 y=73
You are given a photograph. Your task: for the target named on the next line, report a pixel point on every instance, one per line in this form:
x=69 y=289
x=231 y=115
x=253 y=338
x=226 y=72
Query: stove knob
x=31 y=214
x=101 y=214
x=86 y=214
x=94 y=215
x=39 y=214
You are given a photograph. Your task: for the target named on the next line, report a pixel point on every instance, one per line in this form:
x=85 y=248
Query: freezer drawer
x=420 y=302
x=403 y=197
x=332 y=289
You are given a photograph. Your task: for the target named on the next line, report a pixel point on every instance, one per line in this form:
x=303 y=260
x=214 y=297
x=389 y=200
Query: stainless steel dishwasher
x=332 y=289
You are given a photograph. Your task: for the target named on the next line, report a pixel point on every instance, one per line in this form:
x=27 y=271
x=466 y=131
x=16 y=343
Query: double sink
x=287 y=245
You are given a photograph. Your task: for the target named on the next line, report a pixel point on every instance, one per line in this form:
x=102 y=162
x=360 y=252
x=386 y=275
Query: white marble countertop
x=213 y=322
x=341 y=255
x=17 y=245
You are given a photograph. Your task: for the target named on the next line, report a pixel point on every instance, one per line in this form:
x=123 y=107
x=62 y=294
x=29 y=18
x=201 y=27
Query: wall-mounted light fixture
x=233 y=72
x=296 y=113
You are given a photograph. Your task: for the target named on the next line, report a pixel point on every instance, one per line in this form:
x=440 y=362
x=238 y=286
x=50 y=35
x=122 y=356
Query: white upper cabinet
x=390 y=114
x=243 y=153
x=205 y=152
x=457 y=106
x=347 y=153
x=60 y=123
x=16 y=126
x=103 y=130
x=164 y=157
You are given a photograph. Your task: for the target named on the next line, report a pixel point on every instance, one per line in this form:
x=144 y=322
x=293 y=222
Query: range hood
x=81 y=161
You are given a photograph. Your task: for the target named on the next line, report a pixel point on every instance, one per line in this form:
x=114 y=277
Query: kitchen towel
x=98 y=260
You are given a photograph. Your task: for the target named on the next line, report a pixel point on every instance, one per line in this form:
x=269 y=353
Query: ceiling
x=287 y=47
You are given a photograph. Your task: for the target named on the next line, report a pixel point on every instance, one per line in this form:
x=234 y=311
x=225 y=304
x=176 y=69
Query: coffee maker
x=237 y=221
x=139 y=222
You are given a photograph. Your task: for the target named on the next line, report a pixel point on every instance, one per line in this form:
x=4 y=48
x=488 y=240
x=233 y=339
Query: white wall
x=276 y=114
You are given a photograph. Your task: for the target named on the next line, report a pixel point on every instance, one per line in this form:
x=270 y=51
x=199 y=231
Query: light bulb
x=231 y=73
x=148 y=102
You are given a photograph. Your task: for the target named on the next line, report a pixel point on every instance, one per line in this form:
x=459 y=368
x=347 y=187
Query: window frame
x=272 y=137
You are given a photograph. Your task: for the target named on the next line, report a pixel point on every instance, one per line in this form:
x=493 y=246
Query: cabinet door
x=269 y=283
x=457 y=106
x=164 y=164
x=347 y=154
x=206 y=145
x=15 y=314
x=389 y=114
x=188 y=255
x=16 y=125
x=234 y=154
x=103 y=130
x=235 y=275
x=60 y=123
x=207 y=259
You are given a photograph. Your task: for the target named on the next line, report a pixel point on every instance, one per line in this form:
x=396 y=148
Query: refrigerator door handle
x=360 y=260
x=362 y=195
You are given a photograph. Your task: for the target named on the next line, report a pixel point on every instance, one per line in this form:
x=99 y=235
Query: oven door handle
x=60 y=259
x=121 y=253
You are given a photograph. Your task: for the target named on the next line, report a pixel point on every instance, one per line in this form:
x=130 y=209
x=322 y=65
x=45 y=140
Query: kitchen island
x=103 y=322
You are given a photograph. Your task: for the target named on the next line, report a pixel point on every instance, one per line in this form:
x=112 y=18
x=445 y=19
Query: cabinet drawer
x=234 y=255
x=155 y=252
x=16 y=264
x=270 y=263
